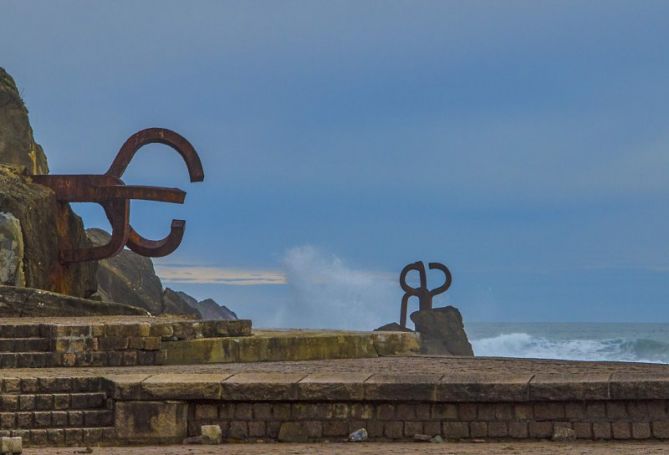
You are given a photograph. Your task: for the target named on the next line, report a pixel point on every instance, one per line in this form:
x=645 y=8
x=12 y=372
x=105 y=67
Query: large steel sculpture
x=114 y=196
x=424 y=294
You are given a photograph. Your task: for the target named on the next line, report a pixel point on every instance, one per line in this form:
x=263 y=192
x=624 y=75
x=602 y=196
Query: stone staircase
x=24 y=346
x=56 y=411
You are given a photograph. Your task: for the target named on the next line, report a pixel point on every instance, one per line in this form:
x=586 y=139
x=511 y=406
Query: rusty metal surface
x=423 y=294
x=114 y=196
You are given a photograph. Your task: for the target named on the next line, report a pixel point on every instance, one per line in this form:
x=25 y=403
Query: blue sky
x=525 y=144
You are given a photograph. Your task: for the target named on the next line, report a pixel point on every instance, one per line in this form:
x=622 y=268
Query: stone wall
x=329 y=406
x=401 y=421
x=56 y=411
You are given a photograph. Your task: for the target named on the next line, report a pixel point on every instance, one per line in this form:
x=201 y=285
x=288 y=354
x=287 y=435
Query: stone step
x=52 y=402
x=21 y=330
x=59 y=437
x=13 y=345
x=29 y=420
x=26 y=359
x=57 y=385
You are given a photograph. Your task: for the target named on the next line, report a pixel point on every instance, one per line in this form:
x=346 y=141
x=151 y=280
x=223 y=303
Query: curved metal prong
x=448 y=278
x=118 y=214
x=158 y=136
x=157 y=248
x=420 y=268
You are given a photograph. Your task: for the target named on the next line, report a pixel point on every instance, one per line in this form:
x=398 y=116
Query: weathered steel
x=424 y=294
x=114 y=196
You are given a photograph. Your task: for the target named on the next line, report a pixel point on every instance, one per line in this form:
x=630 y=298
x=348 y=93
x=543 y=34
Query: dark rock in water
x=17 y=145
x=392 y=327
x=127 y=277
x=29 y=302
x=38 y=214
x=174 y=303
x=442 y=332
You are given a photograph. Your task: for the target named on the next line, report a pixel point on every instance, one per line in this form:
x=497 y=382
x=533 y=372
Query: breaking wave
x=613 y=349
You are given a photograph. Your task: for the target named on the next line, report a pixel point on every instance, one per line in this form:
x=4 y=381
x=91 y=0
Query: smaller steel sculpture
x=424 y=294
x=114 y=196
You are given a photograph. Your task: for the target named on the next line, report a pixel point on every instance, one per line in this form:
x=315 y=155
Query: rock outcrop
x=392 y=327
x=174 y=303
x=209 y=309
x=442 y=332
x=127 y=277
x=17 y=145
x=131 y=279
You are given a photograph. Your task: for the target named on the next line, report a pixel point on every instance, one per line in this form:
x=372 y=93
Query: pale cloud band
x=219 y=275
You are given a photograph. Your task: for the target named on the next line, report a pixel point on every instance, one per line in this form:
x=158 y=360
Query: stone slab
x=146 y=422
x=566 y=387
x=333 y=386
x=463 y=387
x=183 y=386
x=261 y=387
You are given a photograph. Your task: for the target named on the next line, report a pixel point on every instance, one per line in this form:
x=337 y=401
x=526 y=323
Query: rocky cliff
x=31 y=220
x=17 y=144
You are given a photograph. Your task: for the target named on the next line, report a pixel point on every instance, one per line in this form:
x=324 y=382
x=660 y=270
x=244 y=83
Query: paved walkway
x=535 y=448
x=409 y=366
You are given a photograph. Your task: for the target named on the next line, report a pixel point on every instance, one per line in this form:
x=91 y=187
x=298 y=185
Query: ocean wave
x=613 y=349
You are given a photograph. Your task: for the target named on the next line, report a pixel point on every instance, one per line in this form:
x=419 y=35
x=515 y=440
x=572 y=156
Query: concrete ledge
x=387 y=387
x=273 y=346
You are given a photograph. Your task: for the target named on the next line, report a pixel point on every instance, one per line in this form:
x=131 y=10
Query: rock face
x=11 y=251
x=442 y=332
x=40 y=219
x=209 y=309
x=127 y=278
x=17 y=145
x=174 y=303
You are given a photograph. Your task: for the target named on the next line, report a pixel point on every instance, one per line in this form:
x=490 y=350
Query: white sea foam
x=525 y=345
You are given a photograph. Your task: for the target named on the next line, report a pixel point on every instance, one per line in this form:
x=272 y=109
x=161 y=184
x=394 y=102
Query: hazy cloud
x=226 y=276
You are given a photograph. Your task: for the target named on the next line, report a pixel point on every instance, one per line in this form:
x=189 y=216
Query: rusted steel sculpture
x=424 y=294
x=114 y=196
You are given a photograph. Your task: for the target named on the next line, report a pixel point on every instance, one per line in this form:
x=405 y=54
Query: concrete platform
x=394 y=398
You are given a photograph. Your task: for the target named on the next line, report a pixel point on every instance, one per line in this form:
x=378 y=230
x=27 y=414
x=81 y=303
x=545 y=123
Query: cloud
x=219 y=275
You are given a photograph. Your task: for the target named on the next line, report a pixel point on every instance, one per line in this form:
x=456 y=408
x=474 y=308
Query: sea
x=627 y=342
